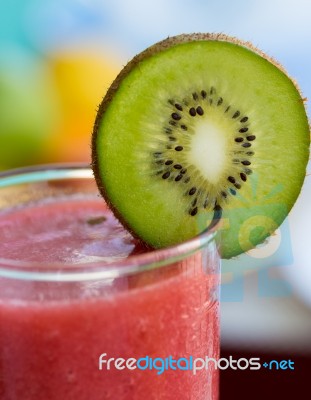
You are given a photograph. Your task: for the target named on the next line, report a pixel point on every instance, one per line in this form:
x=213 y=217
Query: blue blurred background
x=57 y=59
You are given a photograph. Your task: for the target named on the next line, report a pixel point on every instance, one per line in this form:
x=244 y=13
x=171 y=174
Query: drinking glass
x=132 y=323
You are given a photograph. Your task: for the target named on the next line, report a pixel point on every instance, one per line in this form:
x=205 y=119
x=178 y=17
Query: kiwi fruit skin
x=249 y=217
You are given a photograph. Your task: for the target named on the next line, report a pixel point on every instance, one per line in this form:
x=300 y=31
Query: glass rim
x=93 y=270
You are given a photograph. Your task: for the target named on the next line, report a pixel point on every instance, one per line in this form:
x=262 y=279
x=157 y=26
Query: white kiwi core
x=209 y=149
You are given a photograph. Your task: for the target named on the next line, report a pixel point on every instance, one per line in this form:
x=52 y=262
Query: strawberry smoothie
x=54 y=327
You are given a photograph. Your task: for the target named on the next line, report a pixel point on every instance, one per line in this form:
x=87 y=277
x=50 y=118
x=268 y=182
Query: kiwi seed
x=203 y=94
x=192 y=112
x=243 y=130
x=179 y=148
x=251 y=137
x=176 y=116
x=166 y=175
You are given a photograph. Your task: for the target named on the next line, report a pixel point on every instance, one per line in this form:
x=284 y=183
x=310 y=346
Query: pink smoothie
x=52 y=334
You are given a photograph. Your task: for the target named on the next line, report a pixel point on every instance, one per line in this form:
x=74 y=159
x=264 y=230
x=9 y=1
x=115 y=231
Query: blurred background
x=57 y=59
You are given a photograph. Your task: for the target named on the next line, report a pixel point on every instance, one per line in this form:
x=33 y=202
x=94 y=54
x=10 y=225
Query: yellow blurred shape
x=81 y=79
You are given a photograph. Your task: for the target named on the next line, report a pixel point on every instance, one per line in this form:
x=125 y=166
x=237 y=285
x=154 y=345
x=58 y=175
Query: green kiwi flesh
x=198 y=123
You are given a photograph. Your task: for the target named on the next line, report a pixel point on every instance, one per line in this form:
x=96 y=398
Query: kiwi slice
x=196 y=124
